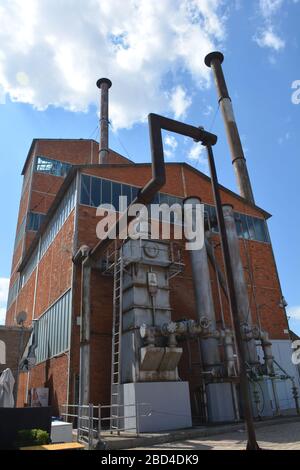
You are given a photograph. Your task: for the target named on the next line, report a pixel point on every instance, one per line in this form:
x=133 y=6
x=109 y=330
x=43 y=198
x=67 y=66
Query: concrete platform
x=147 y=439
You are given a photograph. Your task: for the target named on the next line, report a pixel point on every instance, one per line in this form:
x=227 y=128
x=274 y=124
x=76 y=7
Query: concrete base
x=220 y=402
x=162 y=406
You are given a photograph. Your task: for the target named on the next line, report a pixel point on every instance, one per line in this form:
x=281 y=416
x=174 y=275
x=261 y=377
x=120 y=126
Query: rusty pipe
x=214 y=60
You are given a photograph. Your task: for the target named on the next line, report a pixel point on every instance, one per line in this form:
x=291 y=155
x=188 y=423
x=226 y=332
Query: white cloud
x=196 y=155
x=208 y=110
x=179 y=102
x=266 y=35
x=269 y=7
x=4 y=285
x=171 y=144
x=294 y=312
x=55 y=52
x=268 y=38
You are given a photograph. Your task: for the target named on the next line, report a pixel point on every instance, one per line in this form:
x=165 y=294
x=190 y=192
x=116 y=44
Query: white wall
x=282 y=352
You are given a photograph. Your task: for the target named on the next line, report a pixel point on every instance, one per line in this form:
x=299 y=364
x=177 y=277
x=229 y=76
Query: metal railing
x=92 y=421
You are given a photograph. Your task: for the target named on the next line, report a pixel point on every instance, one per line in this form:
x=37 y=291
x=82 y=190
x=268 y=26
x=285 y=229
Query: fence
x=91 y=421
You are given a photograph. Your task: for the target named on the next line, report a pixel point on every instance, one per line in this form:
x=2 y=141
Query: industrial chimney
x=214 y=60
x=104 y=84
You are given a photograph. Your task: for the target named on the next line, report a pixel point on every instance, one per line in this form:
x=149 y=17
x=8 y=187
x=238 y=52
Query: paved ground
x=285 y=436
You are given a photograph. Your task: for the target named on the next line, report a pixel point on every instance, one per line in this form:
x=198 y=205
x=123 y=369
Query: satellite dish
x=21 y=317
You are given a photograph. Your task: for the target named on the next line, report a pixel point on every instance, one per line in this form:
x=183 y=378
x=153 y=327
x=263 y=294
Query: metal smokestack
x=104 y=84
x=214 y=60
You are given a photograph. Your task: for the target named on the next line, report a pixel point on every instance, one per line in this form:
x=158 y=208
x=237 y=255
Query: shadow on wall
x=53 y=400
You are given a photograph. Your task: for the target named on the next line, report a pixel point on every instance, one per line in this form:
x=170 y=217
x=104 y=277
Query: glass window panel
x=241 y=225
x=155 y=200
x=106 y=192
x=135 y=191
x=53 y=167
x=96 y=192
x=164 y=198
x=213 y=219
x=85 y=190
x=126 y=191
x=260 y=228
x=250 y=227
x=116 y=193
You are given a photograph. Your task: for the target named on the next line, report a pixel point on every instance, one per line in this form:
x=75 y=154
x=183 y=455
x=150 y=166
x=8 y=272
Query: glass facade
x=51 y=167
x=20 y=233
x=95 y=191
x=60 y=216
x=34 y=221
x=13 y=292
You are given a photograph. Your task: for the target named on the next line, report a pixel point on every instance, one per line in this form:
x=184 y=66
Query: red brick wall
x=259 y=255
x=52 y=374
x=56 y=270
x=23 y=302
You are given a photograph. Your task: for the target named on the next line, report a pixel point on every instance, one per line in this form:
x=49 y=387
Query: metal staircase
x=116 y=342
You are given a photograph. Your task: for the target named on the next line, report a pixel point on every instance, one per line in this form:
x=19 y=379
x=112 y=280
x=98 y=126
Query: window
x=96 y=191
x=52 y=167
x=34 y=221
x=212 y=218
x=62 y=213
x=116 y=193
x=53 y=329
x=261 y=231
x=13 y=292
x=20 y=233
x=106 y=192
x=241 y=225
x=85 y=192
x=60 y=216
x=126 y=191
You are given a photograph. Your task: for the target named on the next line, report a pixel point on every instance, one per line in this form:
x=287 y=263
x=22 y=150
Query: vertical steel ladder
x=116 y=342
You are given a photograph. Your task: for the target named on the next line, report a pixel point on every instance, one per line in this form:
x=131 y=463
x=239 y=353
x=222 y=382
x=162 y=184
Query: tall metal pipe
x=104 y=84
x=214 y=60
x=239 y=282
x=85 y=328
x=202 y=288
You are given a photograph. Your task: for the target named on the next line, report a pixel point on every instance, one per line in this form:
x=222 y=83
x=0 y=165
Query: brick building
x=13 y=341
x=63 y=184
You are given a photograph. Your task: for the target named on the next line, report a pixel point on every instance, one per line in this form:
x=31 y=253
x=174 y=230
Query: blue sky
x=52 y=52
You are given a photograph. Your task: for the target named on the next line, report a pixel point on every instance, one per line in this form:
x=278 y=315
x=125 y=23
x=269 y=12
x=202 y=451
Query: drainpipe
x=214 y=60
x=85 y=328
x=104 y=84
x=202 y=288
x=239 y=283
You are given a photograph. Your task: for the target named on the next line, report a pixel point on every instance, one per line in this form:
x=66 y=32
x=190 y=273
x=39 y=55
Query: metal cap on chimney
x=104 y=84
x=213 y=55
x=214 y=60
x=103 y=80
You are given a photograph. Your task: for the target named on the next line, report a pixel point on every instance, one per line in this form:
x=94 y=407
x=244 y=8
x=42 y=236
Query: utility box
x=156 y=406
x=61 y=432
